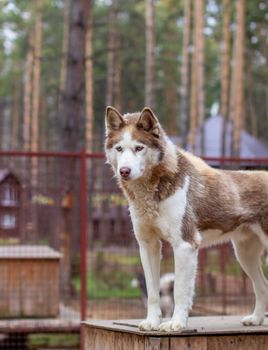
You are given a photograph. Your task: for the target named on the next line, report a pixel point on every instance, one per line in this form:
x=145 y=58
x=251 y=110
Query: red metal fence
x=71 y=203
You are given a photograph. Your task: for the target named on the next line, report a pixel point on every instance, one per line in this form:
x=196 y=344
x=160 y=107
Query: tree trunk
x=71 y=113
x=89 y=83
x=266 y=94
x=72 y=108
x=200 y=71
x=6 y=126
x=15 y=116
x=43 y=125
x=251 y=102
x=225 y=71
x=170 y=78
x=118 y=75
x=114 y=81
x=66 y=18
x=27 y=95
x=193 y=103
x=36 y=87
x=111 y=53
x=185 y=71
x=237 y=108
x=149 y=58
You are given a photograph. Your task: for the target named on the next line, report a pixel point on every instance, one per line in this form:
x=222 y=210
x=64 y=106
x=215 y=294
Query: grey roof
x=28 y=252
x=250 y=146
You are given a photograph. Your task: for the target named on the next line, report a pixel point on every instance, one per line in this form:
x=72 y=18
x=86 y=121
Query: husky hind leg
x=248 y=254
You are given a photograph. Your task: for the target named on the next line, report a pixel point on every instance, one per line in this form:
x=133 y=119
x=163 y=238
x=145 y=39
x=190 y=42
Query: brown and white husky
x=177 y=197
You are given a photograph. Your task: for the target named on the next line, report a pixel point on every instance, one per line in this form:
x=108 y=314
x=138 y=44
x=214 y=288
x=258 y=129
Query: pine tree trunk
x=266 y=87
x=111 y=54
x=36 y=87
x=149 y=59
x=43 y=125
x=237 y=108
x=89 y=83
x=251 y=102
x=73 y=134
x=114 y=80
x=66 y=19
x=185 y=70
x=15 y=116
x=266 y=94
x=6 y=126
x=225 y=71
x=200 y=72
x=28 y=95
x=193 y=102
x=118 y=75
x=170 y=81
x=72 y=108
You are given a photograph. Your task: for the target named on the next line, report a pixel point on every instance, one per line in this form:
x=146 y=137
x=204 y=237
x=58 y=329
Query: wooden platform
x=68 y=321
x=202 y=333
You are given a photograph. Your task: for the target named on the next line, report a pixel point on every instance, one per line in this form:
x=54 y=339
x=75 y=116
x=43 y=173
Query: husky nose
x=125 y=172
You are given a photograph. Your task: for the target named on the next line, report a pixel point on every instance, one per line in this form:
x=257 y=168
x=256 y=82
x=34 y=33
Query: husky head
x=134 y=143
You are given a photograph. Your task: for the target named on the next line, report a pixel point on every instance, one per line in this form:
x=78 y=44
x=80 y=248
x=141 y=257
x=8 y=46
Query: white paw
x=149 y=324
x=252 y=320
x=172 y=325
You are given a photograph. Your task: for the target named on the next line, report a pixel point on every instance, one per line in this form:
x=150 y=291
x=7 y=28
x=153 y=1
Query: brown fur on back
x=217 y=199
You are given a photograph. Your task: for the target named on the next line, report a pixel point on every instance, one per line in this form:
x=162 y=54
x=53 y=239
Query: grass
x=111 y=276
x=113 y=272
x=53 y=340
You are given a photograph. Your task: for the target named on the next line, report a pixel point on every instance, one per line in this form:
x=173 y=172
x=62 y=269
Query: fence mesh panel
x=41 y=252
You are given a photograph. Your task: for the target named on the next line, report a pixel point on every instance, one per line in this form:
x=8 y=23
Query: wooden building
x=29 y=278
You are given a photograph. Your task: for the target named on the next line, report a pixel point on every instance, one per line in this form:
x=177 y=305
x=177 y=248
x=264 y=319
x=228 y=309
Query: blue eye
x=119 y=149
x=139 y=148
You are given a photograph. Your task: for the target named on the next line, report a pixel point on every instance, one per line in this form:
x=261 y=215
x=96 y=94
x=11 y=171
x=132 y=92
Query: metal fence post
x=83 y=233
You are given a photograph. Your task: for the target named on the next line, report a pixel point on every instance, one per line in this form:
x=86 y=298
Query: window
x=9 y=195
x=8 y=221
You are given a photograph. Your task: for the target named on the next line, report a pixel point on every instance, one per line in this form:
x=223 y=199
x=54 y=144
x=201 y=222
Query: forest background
x=63 y=61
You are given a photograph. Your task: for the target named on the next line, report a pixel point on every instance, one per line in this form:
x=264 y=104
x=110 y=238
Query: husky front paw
x=172 y=325
x=252 y=320
x=149 y=324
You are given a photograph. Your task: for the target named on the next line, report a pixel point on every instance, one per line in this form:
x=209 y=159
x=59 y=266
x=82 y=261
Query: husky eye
x=139 y=148
x=119 y=149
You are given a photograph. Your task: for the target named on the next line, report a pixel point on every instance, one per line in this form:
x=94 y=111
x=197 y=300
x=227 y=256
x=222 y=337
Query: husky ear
x=149 y=122
x=113 y=119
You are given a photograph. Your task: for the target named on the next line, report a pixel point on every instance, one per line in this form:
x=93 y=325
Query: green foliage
x=17 y=20
x=111 y=277
x=53 y=340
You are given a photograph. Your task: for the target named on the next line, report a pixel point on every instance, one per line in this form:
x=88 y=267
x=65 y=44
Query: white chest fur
x=160 y=218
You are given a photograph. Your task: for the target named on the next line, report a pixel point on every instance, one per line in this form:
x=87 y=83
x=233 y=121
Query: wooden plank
x=90 y=338
x=262 y=342
x=123 y=341
x=188 y=343
x=68 y=321
x=96 y=339
x=138 y=342
x=196 y=326
x=103 y=340
x=234 y=342
x=156 y=343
